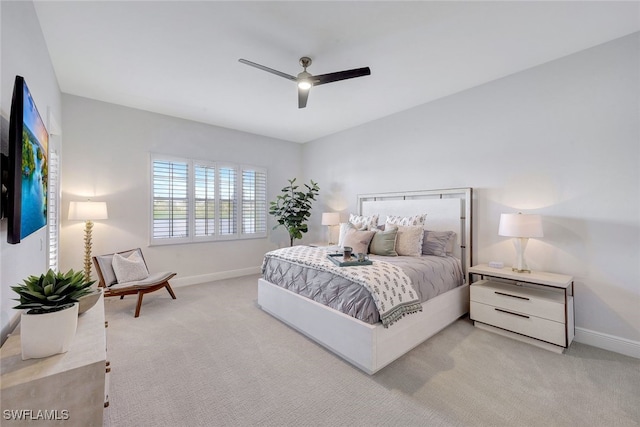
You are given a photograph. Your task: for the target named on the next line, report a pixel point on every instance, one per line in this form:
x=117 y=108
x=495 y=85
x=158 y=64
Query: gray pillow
x=384 y=243
x=439 y=243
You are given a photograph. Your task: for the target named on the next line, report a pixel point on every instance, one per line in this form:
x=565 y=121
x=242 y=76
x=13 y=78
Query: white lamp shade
x=520 y=225
x=330 y=218
x=87 y=211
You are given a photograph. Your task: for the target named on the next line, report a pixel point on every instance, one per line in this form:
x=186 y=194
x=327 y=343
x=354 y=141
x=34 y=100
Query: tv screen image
x=28 y=168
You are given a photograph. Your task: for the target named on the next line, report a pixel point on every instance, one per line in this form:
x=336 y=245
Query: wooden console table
x=64 y=389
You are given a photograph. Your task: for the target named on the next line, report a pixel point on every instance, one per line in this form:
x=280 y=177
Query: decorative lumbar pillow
x=362 y=221
x=439 y=243
x=407 y=221
x=384 y=242
x=129 y=269
x=409 y=240
x=359 y=240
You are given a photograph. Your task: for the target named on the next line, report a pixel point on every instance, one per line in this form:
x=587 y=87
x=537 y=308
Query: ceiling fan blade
x=303 y=94
x=340 y=75
x=267 y=69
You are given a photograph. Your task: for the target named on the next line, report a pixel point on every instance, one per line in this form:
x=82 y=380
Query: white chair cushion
x=152 y=279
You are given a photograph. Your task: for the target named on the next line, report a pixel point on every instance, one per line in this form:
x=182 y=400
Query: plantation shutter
x=170 y=199
x=204 y=188
x=254 y=201
x=200 y=200
x=228 y=202
x=53 y=209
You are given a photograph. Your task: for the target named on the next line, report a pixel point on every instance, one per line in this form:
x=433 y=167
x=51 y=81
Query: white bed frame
x=372 y=347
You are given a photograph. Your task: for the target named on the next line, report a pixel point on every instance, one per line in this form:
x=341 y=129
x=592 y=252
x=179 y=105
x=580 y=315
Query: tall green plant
x=292 y=208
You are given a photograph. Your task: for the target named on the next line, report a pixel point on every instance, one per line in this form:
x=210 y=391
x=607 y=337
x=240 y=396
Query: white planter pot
x=43 y=335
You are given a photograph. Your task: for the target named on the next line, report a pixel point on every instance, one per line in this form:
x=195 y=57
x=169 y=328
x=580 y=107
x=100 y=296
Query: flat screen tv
x=28 y=169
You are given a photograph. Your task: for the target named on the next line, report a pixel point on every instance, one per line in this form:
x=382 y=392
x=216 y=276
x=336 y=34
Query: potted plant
x=293 y=208
x=51 y=300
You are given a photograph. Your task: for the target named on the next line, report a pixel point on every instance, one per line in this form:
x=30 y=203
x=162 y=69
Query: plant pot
x=43 y=335
x=88 y=301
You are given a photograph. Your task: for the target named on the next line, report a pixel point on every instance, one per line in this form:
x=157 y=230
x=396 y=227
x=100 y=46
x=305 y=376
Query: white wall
x=561 y=139
x=23 y=52
x=106 y=158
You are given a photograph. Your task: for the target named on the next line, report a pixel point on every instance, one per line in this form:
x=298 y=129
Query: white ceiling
x=181 y=58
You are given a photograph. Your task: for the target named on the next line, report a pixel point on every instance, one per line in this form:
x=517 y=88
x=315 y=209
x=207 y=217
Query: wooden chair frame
x=134 y=289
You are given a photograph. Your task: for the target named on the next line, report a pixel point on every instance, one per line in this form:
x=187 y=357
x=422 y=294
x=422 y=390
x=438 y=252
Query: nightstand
x=535 y=307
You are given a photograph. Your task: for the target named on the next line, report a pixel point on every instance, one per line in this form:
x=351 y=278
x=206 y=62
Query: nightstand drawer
x=533 y=302
x=525 y=324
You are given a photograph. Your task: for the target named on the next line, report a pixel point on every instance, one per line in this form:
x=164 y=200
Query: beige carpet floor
x=213 y=358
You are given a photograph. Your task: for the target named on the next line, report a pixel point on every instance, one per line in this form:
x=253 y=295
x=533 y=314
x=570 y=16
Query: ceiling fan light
x=304 y=84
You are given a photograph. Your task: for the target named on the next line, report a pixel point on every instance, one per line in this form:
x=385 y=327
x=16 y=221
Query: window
x=196 y=200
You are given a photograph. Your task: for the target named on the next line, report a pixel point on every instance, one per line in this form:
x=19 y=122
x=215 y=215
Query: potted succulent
x=51 y=318
x=292 y=208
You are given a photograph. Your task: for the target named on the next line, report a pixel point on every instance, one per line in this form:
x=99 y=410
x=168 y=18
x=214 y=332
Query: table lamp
x=87 y=212
x=521 y=227
x=330 y=219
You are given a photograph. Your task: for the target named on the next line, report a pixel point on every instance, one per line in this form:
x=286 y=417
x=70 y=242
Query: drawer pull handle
x=509 y=312
x=509 y=295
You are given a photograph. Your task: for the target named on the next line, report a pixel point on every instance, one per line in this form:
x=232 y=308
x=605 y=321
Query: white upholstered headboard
x=448 y=209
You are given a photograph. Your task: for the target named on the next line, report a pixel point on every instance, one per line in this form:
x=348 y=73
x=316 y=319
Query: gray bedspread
x=430 y=276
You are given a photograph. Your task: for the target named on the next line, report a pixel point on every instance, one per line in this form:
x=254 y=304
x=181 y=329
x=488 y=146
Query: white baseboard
x=608 y=342
x=178 y=282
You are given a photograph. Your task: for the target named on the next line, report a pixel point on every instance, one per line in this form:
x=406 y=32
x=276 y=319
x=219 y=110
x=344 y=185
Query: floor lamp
x=87 y=212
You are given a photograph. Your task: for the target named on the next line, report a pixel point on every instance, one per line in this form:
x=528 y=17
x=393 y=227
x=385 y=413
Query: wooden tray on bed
x=338 y=260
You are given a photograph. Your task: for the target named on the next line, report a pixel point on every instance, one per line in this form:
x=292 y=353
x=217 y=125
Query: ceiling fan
x=305 y=80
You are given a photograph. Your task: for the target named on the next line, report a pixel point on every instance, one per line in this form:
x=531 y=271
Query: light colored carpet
x=213 y=358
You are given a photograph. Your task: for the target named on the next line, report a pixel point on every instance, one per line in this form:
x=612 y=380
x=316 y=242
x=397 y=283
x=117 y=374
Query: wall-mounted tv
x=28 y=168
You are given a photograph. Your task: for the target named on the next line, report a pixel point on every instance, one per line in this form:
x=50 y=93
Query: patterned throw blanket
x=389 y=286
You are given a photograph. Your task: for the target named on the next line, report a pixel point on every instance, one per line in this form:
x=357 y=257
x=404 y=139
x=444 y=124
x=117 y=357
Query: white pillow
x=407 y=221
x=344 y=227
x=362 y=221
x=129 y=269
x=409 y=240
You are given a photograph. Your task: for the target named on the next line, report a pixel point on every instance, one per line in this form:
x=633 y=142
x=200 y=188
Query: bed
x=367 y=344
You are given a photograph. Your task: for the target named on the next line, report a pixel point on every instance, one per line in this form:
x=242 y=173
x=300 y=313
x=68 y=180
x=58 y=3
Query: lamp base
x=520 y=244
x=88 y=226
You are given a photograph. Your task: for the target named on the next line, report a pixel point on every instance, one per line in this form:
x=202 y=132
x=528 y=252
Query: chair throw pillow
x=129 y=269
